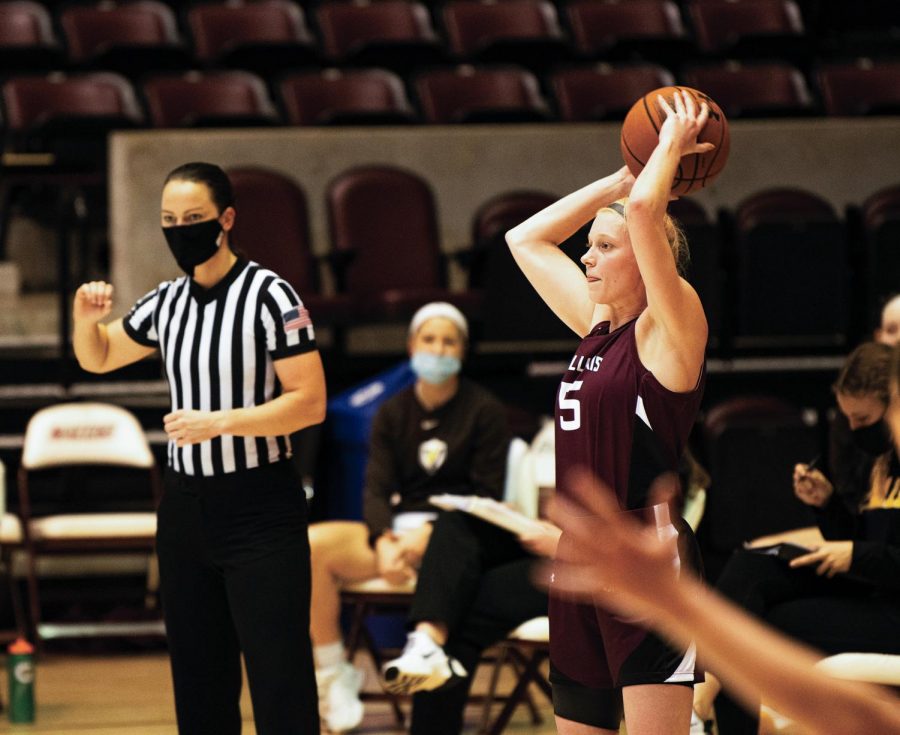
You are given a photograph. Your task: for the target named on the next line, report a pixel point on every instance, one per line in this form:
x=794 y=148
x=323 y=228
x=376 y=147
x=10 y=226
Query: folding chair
x=527 y=646
x=367 y=598
x=874 y=668
x=525 y=649
x=376 y=595
x=10 y=542
x=66 y=509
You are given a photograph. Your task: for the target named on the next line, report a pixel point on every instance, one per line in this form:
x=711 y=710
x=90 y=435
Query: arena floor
x=131 y=694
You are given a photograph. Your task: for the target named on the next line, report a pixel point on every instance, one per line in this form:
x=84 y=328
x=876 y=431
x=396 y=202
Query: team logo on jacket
x=432 y=455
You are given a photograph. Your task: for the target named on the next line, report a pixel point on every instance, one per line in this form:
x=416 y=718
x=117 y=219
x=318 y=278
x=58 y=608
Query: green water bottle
x=20 y=667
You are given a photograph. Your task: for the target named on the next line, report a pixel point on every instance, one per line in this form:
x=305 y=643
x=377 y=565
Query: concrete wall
x=842 y=160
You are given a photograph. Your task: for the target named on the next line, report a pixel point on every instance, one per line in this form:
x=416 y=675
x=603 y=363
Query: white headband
x=439 y=309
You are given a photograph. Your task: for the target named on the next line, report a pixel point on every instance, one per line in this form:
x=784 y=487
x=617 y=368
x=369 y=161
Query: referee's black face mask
x=193 y=244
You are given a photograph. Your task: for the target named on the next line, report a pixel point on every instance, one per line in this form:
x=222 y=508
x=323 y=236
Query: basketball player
x=625 y=407
x=629 y=567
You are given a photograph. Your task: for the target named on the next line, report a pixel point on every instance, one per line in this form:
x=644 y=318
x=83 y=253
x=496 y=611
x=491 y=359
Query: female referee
x=244 y=373
x=625 y=407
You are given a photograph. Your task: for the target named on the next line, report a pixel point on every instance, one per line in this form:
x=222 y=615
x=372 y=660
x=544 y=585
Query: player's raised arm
x=674 y=319
x=535 y=247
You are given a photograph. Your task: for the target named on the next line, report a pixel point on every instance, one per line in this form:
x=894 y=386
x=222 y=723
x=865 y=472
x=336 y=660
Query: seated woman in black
x=843 y=595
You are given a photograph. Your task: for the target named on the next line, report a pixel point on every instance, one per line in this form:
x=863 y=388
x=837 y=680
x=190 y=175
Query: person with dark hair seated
x=843 y=595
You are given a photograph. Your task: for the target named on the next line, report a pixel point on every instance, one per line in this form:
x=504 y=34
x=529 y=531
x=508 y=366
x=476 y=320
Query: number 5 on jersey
x=572 y=423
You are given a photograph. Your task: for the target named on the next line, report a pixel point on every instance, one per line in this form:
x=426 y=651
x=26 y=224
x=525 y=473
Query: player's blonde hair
x=674 y=234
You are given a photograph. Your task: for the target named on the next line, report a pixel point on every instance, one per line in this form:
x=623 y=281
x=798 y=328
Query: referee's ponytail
x=214 y=178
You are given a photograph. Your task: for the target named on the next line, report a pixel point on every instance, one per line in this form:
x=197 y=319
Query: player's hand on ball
x=683 y=123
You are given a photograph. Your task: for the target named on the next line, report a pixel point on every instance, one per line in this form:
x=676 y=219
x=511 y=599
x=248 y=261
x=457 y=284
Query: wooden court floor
x=131 y=694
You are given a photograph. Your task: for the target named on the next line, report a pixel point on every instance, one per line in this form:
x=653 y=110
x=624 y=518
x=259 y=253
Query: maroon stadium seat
x=470 y=94
x=525 y=32
x=272 y=228
x=751 y=28
x=383 y=220
x=265 y=36
x=753 y=90
x=864 y=87
x=647 y=29
x=227 y=98
x=333 y=96
x=775 y=307
x=604 y=92
x=133 y=38
x=392 y=33
x=27 y=40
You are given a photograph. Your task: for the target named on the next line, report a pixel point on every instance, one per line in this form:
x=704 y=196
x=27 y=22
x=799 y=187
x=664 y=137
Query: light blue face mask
x=435 y=368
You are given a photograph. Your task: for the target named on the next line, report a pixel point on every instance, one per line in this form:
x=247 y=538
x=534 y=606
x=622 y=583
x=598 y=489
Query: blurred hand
x=389 y=557
x=812 y=487
x=93 y=302
x=684 y=123
x=542 y=542
x=833 y=557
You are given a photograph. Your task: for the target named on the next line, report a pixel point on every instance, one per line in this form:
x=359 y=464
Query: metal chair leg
x=492 y=690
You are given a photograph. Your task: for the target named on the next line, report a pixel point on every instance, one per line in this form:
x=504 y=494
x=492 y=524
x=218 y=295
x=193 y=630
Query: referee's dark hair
x=215 y=179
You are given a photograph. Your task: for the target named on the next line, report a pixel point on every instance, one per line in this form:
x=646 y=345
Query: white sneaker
x=422 y=667
x=339 y=702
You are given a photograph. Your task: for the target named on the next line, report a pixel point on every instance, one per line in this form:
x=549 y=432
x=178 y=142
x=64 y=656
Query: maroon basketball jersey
x=615 y=418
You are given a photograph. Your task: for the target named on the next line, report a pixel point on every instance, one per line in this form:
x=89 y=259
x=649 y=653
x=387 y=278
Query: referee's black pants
x=235 y=576
x=476 y=579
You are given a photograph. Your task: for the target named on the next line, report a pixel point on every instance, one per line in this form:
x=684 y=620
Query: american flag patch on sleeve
x=295 y=318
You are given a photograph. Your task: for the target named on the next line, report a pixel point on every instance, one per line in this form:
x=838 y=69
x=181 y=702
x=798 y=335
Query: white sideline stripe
x=32 y=390
x=49 y=631
x=123 y=387
x=106 y=388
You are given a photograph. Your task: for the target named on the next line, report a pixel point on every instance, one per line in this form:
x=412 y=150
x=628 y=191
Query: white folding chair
x=65 y=509
x=528 y=646
x=874 y=668
x=10 y=541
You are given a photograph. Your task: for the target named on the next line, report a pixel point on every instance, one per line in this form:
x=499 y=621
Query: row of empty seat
x=439 y=96
x=276 y=34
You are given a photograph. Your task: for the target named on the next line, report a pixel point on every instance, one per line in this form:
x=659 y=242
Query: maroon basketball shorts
x=594 y=653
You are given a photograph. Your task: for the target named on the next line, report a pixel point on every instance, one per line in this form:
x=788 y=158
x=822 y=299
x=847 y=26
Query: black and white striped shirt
x=218 y=346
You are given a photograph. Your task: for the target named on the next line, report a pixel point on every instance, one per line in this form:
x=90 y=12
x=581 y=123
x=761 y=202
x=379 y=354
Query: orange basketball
x=640 y=134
